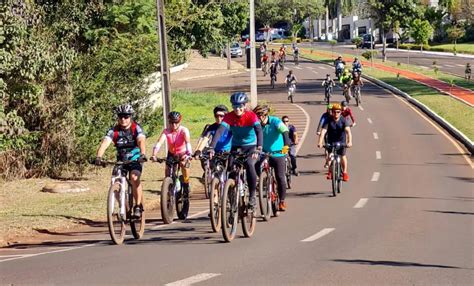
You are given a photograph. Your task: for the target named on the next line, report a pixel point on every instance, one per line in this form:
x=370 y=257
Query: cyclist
x=345 y=80
x=275 y=141
x=273 y=55
x=273 y=70
x=294 y=141
x=264 y=63
x=282 y=52
x=347 y=113
x=246 y=135
x=328 y=82
x=296 y=52
x=467 y=72
x=356 y=66
x=339 y=66
x=338 y=130
x=178 y=141
x=129 y=140
x=322 y=121
x=356 y=81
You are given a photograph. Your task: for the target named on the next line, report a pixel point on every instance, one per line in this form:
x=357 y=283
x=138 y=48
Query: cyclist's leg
x=137 y=190
x=342 y=152
x=185 y=170
x=251 y=173
x=279 y=164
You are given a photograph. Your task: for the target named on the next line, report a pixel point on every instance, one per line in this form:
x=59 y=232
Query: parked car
x=368 y=42
x=235 y=50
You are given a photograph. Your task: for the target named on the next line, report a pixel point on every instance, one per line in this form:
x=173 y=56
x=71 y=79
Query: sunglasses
x=124 y=116
x=219 y=115
x=285 y=121
x=238 y=106
x=336 y=111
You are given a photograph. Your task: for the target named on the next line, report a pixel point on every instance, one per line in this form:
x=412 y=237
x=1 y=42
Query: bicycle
x=281 y=65
x=207 y=175
x=265 y=68
x=335 y=165
x=273 y=79
x=346 y=93
x=296 y=59
x=172 y=192
x=120 y=204
x=291 y=90
x=219 y=177
x=267 y=190
x=357 y=95
x=288 y=171
x=327 y=93
x=235 y=200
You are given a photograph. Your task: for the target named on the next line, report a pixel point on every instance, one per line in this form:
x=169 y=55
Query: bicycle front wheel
x=215 y=205
x=334 y=177
x=167 y=201
x=229 y=209
x=115 y=221
x=137 y=225
x=339 y=177
x=264 y=198
x=288 y=173
x=247 y=217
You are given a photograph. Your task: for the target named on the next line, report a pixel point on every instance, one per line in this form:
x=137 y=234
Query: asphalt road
x=405 y=217
x=450 y=64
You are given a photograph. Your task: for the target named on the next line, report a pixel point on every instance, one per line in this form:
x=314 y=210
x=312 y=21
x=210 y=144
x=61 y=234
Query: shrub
x=369 y=54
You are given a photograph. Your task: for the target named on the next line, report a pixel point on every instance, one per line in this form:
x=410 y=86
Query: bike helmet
x=336 y=106
x=239 y=98
x=220 y=108
x=329 y=106
x=261 y=110
x=124 y=109
x=343 y=103
x=174 y=117
x=328 y=75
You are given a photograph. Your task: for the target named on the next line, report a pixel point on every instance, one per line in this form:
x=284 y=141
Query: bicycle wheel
x=167 y=200
x=272 y=83
x=291 y=97
x=339 y=177
x=229 y=209
x=137 y=225
x=114 y=220
x=182 y=203
x=288 y=173
x=215 y=205
x=264 y=198
x=247 y=217
x=334 y=177
x=274 y=197
x=207 y=181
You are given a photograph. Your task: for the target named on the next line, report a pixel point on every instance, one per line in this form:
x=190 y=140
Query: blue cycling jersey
x=272 y=136
x=225 y=141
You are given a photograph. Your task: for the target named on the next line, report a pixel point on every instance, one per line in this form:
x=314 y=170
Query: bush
x=357 y=41
x=369 y=54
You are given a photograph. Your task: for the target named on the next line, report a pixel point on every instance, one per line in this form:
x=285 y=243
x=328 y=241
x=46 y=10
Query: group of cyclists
x=350 y=80
x=271 y=64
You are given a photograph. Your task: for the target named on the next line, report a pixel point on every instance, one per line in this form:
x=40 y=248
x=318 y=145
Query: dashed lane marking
x=309 y=67
x=318 y=235
x=375 y=177
x=361 y=108
x=376 y=136
x=460 y=65
x=298 y=68
x=315 y=72
x=322 y=67
x=194 y=279
x=370 y=120
x=48 y=252
x=378 y=155
x=361 y=203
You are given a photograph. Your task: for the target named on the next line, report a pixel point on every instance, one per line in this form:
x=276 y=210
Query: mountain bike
x=120 y=204
x=281 y=64
x=235 y=200
x=288 y=170
x=346 y=92
x=296 y=59
x=265 y=68
x=267 y=189
x=219 y=177
x=357 y=95
x=273 y=79
x=327 y=93
x=207 y=174
x=335 y=165
x=291 y=90
x=172 y=193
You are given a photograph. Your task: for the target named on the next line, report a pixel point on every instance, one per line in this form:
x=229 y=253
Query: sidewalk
x=462 y=94
x=200 y=67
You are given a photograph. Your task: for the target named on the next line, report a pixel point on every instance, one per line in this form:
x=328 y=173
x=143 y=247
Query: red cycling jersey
x=348 y=112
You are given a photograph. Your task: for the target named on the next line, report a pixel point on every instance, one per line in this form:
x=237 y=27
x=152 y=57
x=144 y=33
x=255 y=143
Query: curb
x=209 y=75
x=441 y=121
x=446 y=54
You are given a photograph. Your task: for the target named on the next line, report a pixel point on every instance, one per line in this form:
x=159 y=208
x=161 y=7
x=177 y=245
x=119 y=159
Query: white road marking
x=375 y=177
x=460 y=65
x=378 y=155
x=315 y=72
x=174 y=222
x=310 y=68
x=361 y=108
x=306 y=128
x=49 y=252
x=322 y=67
x=318 y=235
x=449 y=66
x=298 y=68
x=361 y=203
x=370 y=120
x=376 y=136
x=194 y=279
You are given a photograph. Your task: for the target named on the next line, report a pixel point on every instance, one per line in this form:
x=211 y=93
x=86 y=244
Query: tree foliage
x=421 y=31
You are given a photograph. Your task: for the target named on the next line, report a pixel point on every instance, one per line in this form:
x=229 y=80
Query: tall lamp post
x=253 y=57
x=164 y=64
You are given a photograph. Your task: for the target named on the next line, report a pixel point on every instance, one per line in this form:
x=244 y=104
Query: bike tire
x=167 y=201
x=272 y=83
x=288 y=174
x=339 y=178
x=136 y=225
x=334 y=178
x=215 y=205
x=115 y=223
x=264 y=198
x=247 y=217
x=291 y=97
x=229 y=209
x=275 y=198
x=207 y=181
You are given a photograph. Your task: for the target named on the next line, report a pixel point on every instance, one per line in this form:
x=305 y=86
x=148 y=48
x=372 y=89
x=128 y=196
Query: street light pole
x=164 y=64
x=253 y=60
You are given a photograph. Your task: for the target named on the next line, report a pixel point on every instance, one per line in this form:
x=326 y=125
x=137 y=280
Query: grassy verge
x=448 y=78
x=455 y=112
x=463 y=48
x=27 y=211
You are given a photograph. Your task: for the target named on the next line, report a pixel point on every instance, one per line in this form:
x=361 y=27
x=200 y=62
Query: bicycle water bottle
x=178 y=184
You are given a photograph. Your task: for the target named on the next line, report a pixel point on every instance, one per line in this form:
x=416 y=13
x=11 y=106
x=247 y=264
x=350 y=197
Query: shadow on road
x=449 y=212
x=419 y=198
x=464 y=179
x=308 y=194
x=394 y=263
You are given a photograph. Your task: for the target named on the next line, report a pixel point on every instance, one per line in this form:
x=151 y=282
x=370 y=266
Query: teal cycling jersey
x=273 y=136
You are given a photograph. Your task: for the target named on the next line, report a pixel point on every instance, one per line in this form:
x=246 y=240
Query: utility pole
x=253 y=60
x=164 y=64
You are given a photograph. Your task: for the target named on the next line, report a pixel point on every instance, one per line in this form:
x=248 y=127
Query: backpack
x=117 y=130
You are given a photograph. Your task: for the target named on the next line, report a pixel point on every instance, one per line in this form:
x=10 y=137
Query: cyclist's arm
x=103 y=146
x=187 y=139
x=158 y=144
x=321 y=136
x=283 y=129
x=352 y=116
x=258 y=131
x=348 y=136
x=219 y=132
x=321 y=123
x=141 y=142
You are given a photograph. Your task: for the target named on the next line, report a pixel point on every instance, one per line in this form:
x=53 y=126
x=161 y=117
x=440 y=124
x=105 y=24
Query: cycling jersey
x=323 y=120
x=348 y=113
x=345 y=78
x=225 y=141
x=264 y=59
x=291 y=78
x=273 y=69
x=176 y=140
x=126 y=141
x=273 y=140
x=336 y=130
x=296 y=51
x=356 y=81
x=291 y=133
x=242 y=128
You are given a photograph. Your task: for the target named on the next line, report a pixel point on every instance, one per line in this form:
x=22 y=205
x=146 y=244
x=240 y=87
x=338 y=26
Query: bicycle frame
x=118 y=174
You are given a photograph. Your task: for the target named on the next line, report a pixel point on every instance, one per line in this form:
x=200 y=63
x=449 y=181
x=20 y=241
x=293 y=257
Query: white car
x=235 y=50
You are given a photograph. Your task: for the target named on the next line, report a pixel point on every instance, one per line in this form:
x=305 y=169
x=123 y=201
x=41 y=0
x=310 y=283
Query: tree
x=455 y=33
x=386 y=12
x=235 y=16
x=421 y=31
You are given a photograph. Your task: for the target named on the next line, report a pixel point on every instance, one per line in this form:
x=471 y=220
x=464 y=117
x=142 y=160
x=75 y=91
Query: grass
x=455 y=112
x=27 y=211
x=460 y=48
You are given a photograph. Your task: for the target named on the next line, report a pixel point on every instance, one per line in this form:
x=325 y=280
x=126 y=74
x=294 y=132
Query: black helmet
x=261 y=110
x=174 y=117
x=238 y=98
x=124 y=109
x=220 y=108
x=343 y=103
